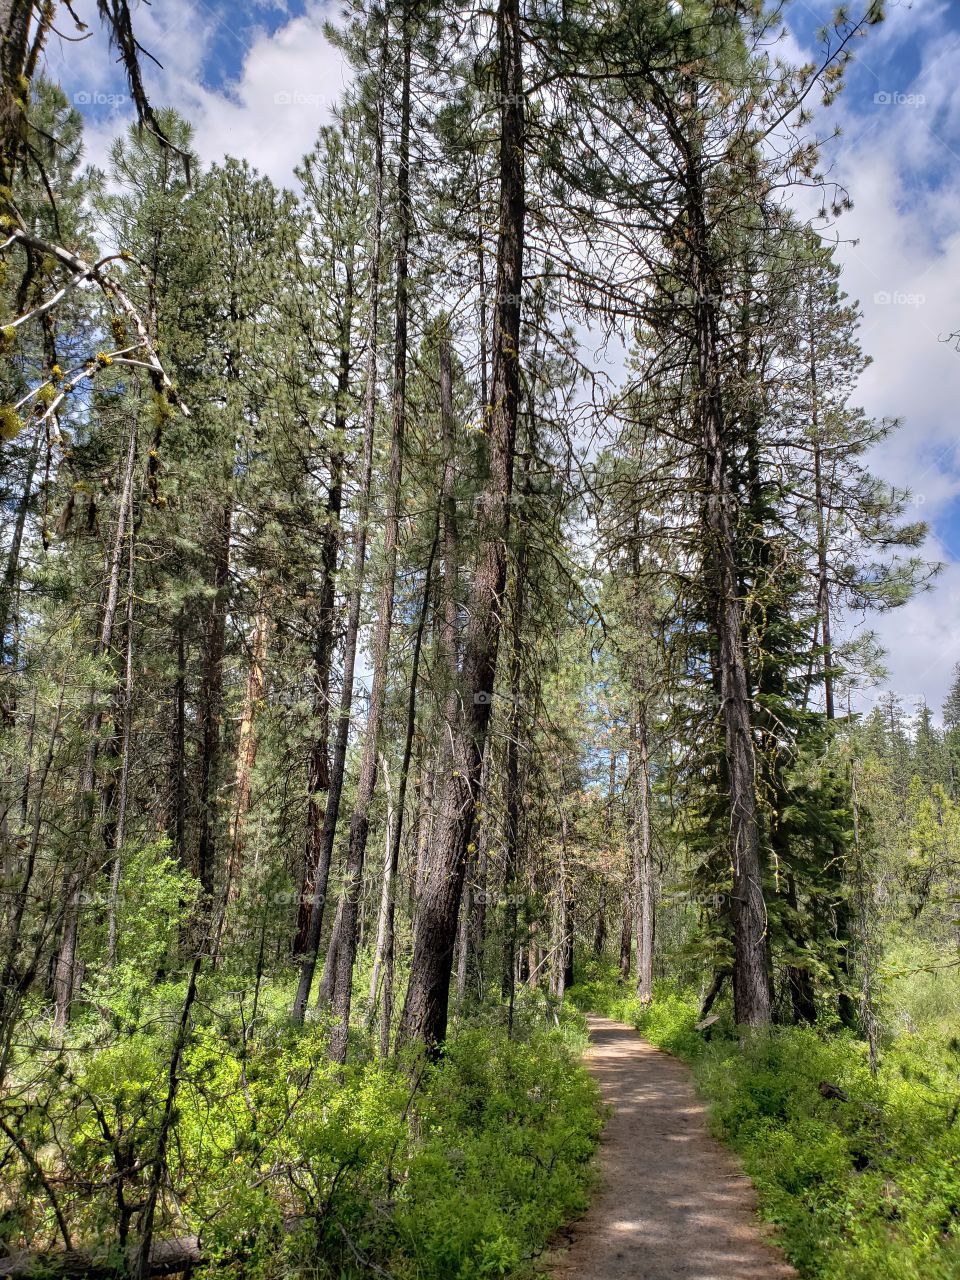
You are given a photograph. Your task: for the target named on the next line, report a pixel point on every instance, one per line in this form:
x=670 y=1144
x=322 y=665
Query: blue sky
x=257 y=78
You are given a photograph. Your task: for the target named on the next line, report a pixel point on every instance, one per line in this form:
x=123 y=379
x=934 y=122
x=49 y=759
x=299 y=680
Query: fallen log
x=167 y=1258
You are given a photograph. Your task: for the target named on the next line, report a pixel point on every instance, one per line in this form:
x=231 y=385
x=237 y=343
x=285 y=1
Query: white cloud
x=288 y=84
x=900 y=160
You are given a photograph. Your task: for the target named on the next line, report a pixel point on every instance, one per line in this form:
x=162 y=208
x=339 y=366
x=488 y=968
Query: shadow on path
x=672 y=1202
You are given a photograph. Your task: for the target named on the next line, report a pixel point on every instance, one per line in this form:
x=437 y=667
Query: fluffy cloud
x=288 y=82
x=899 y=155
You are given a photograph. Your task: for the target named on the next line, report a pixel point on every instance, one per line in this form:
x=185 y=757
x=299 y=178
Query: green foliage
x=460 y=1168
x=508 y=1131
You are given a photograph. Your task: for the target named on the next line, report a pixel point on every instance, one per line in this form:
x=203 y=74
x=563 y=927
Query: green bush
x=508 y=1130
x=287 y=1165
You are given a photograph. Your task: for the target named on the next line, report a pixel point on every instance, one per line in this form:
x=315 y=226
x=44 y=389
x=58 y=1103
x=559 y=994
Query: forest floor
x=671 y=1201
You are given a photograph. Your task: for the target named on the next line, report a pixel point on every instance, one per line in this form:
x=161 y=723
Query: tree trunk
x=15 y=18
x=126 y=723
x=338 y=764
x=211 y=701
x=329 y=974
x=318 y=771
x=424 y=1015
x=512 y=787
x=247 y=745
x=176 y=817
x=750 y=967
x=644 y=883
x=74 y=880
x=627 y=920
x=366 y=784
x=385 y=954
x=8 y=588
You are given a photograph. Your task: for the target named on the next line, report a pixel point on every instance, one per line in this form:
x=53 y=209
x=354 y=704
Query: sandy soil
x=672 y=1202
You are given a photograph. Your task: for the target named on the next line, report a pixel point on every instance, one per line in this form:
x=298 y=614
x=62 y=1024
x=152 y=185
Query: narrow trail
x=672 y=1202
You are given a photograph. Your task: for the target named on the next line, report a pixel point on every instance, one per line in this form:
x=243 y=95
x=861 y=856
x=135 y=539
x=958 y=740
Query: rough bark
x=247 y=746
x=15 y=17
x=424 y=1015
x=750 y=968
x=211 y=699
x=385 y=951
x=380 y=650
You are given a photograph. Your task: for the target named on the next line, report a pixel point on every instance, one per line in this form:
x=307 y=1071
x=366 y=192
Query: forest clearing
x=456 y=819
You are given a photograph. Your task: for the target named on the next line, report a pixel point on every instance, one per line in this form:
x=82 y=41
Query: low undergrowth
x=862 y=1179
x=283 y=1165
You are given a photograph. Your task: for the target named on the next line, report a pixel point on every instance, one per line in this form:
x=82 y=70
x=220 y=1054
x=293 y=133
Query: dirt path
x=672 y=1202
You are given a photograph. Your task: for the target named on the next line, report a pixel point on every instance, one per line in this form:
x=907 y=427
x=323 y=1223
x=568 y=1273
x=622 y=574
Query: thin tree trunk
x=8 y=588
x=645 y=913
x=74 y=880
x=868 y=1018
x=384 y=900
x=514 y=732
x=627 y=918
x=126 y=722
x=339 y=761
x=318 y=773
x=176 y=820
x=366 y=784
x=141 y=1267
